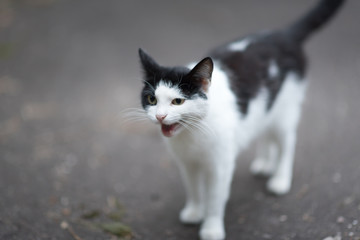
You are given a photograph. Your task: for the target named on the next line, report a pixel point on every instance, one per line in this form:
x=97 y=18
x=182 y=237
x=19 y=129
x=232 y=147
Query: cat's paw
x=279 y=185
x=191 y=215
x=261 y=167
x=212 y=229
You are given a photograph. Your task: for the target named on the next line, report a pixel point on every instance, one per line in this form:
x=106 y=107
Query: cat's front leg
x=193 y=212
x=213 y=229
x=217 y=183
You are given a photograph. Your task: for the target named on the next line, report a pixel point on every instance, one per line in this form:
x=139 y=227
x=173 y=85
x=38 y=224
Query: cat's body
x=250 y=88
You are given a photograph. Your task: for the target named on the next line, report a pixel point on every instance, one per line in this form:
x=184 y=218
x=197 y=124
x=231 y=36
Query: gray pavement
x=69 y=67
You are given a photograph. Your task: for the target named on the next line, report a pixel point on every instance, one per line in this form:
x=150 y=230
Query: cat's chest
x=191 y=148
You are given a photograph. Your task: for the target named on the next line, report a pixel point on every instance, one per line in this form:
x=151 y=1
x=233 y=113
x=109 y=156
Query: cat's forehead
x=167 y=90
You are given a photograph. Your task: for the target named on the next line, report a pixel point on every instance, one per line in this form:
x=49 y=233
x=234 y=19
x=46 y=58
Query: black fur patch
x=171 y=76
x=248 y=69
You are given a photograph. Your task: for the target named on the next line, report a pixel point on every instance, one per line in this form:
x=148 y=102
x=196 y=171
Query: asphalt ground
x=68 y=164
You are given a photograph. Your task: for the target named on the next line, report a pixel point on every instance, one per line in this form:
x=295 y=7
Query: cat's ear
x=202 y=72
x=148 y=63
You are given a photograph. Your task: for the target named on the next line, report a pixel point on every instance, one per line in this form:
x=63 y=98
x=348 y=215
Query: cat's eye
x=178 y=101
x=151 y=99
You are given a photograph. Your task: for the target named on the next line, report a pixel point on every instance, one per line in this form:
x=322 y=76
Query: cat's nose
x=160 y=118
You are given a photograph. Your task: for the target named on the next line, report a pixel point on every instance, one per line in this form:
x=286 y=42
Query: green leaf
x=115 y=216
x=91 y=214
x=116 y=228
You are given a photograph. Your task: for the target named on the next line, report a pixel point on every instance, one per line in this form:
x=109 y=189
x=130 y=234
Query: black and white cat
x=210 y=111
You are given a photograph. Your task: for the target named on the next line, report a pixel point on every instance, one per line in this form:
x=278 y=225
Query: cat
x=211 y=111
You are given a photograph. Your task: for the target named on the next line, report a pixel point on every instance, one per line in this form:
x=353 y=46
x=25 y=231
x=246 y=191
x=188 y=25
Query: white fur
x=273 y=69
x=206 y=159
x=240 y=45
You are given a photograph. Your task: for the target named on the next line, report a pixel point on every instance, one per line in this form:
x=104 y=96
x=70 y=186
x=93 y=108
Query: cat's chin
x=170 y=130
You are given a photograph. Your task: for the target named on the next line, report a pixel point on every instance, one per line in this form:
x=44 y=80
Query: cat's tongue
x=168 y=130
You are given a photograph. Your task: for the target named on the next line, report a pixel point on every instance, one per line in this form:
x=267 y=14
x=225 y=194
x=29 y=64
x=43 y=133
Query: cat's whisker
x=191 y=128
x=200 y=126
x=187 y=127
x=126 y=116
x=134 y=119
x=206 y=129
x=197 y=121
x=131 y=115
x=132 y=110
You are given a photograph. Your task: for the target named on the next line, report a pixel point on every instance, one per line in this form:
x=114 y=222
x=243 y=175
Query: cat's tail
x=314 y=19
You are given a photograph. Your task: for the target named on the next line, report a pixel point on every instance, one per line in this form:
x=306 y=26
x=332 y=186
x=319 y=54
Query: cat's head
x=175 y=97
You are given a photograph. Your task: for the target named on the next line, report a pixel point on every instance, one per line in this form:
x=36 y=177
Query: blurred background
x=69 y=168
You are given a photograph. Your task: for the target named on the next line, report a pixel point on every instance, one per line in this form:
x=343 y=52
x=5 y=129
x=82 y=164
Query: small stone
x=350 y=234
x=64 y=225
x=283 y=218
x=337 y=237
x=355 y=222
x=340 y=219
x=328 y=238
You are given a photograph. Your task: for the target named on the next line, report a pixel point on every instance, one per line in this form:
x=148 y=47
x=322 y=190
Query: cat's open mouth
x=169 y=130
